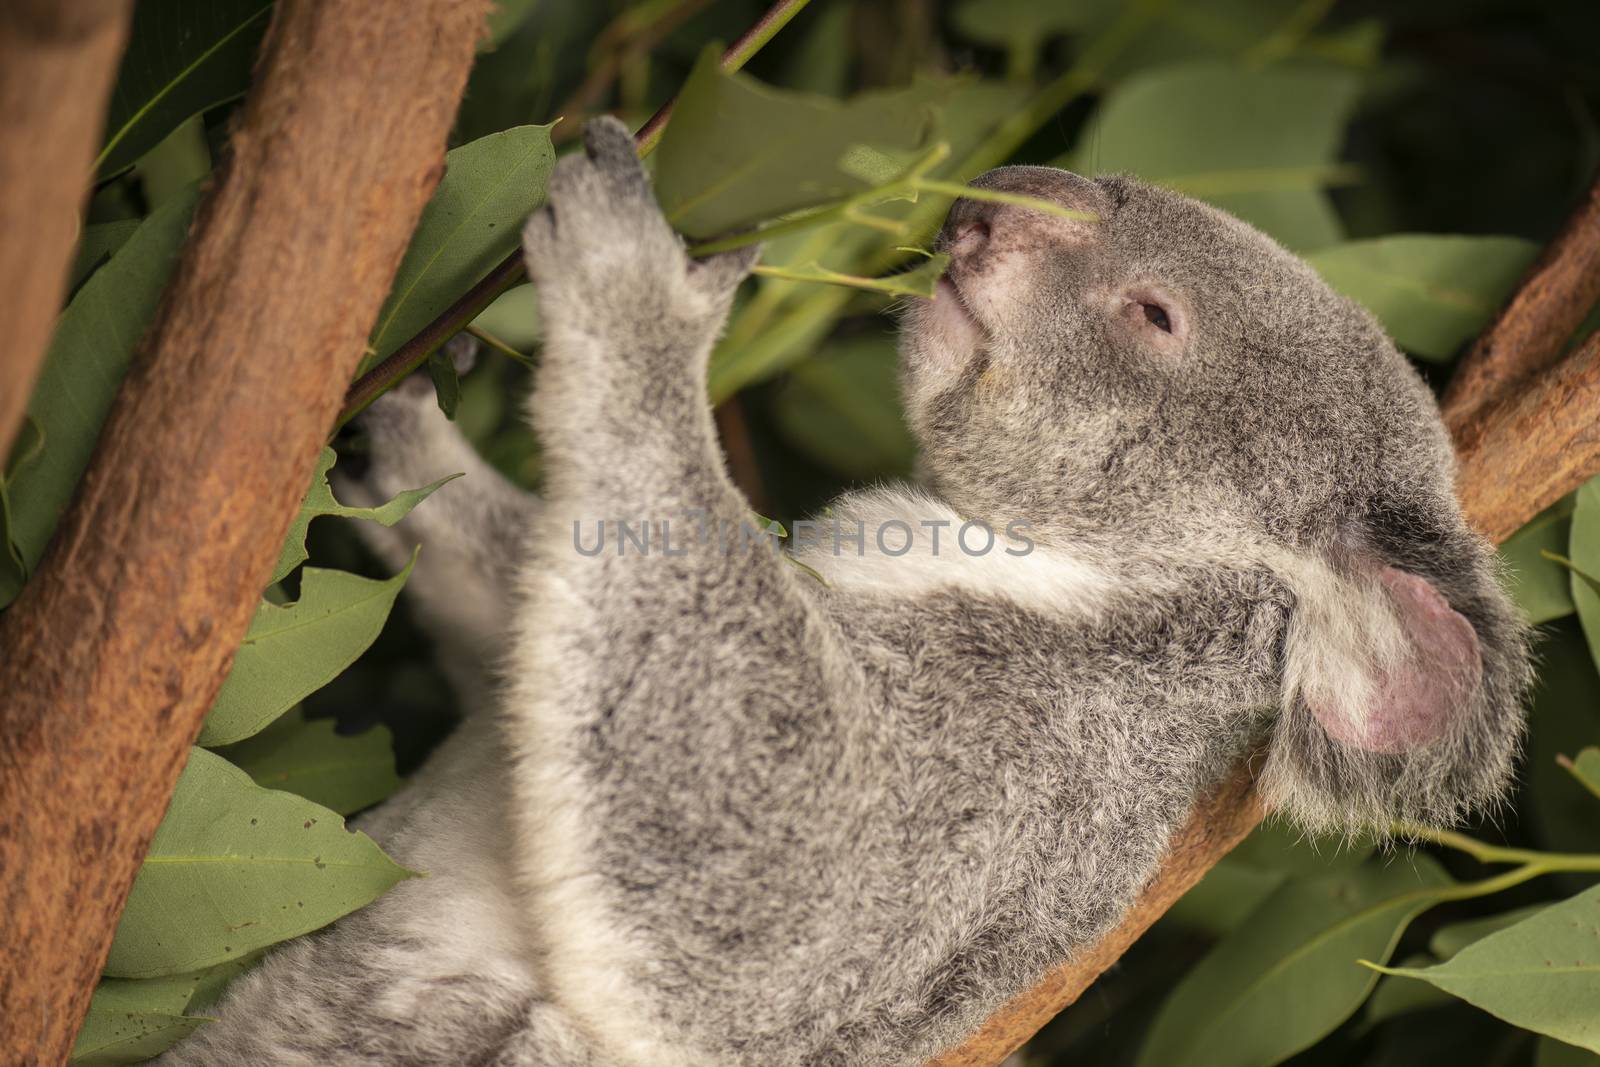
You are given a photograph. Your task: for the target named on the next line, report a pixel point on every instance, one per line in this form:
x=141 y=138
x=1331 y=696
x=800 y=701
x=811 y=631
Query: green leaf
x=1259 y=143
x=319 y=501
x=294 y=650
x=1225 y=898
x=1584 y=550
x=1542 y=974
x=1021 y=27
x=1288 y=975
x=1553 y=1053
x=1453 y=937
x=309 y=758
x=130 y=1021
x=1432 y=292
x=183 y=57
x=1396 y=996
x=739 y=152
x=842 y=408
x=1565 y=718
x=1585 y=768
x=234 y=867
x=86 y=361
x=446 y=384
x=98 y=243
x=473 y=221
x=1541 y=587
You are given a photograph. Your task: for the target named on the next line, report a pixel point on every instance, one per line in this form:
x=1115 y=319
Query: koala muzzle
x=976 y=227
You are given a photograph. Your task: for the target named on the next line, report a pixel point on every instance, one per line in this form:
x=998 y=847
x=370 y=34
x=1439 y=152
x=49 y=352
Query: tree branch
x=1526 y=337
x=57 y=59
x=1523 y=439
x=118 y=645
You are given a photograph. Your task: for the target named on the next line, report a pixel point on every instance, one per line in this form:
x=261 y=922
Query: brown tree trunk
x=1523 y=440
x=118 y=644
x=57 y=59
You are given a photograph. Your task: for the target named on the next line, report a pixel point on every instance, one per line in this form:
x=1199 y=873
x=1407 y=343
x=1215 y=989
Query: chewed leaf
x=319 y=501
x=919 y=281
x=234 y=867
x=294 y=650
x=738 y=152
x=131 y=1020
x=312 y=760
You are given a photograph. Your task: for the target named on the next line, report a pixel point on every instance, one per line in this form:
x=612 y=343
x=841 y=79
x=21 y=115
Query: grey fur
x=728 y=814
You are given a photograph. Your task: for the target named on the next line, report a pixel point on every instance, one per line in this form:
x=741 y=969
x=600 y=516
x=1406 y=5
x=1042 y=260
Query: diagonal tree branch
x=1523 y=439
x=119 y=643
x=1526 y=337
x=57 y=59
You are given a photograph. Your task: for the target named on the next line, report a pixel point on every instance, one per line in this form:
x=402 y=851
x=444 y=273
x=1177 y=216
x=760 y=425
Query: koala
x=717 y=808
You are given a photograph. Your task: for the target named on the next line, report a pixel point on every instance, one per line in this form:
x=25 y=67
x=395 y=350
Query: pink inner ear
x=1414 y=702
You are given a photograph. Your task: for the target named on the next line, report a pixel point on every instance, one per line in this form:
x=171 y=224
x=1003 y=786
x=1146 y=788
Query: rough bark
x=57 y=59
x=118 y=644
x=1527 y=336
x=1525 y=436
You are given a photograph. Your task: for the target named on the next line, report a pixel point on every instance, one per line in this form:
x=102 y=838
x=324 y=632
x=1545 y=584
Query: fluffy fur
x=729 y=813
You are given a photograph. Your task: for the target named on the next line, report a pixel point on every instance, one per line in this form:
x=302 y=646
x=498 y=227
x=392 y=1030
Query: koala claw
x=602 y=253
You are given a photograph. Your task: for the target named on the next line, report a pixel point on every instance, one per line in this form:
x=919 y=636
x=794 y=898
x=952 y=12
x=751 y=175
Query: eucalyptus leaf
x=1453 y=937
x=183 y=57
x=472 y=223
x=1565 y=718
x=1288 y=974
x=131 y=1020
x=234 y=867
x=97 y=244
x=1260 y=143
x=88 y=356
x=311 y=759
x=292 y=651
x=1542 y=974
x=842 y=408
x=1541 y=587
x=1553 y=1053
x=446 y=383
x=921 y=280
x=1393 y=997
x=1432 y=292
x=1585 y=768
x=319 y=501
x=738 y=152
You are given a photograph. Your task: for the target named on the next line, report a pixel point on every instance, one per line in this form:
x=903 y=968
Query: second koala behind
x=720 y=812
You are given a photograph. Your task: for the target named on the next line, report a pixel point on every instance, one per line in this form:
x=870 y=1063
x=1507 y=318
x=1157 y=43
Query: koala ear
x=1420 y=671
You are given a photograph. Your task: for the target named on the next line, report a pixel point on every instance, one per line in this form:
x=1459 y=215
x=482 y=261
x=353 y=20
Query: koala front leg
x=673 y=712
x=473 y=532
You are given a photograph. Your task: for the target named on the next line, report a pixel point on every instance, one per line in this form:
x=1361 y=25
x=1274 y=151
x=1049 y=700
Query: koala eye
x=1156 y=315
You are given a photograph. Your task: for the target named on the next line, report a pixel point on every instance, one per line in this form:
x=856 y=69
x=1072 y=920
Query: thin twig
x=509 y=271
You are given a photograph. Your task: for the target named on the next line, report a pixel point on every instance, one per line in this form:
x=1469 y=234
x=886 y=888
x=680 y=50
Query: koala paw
x=606 y=261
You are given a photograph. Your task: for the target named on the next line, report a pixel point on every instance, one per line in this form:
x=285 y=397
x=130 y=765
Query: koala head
x=1161 y=379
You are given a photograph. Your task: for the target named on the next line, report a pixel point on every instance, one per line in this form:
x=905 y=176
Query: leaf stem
x=509 y=271
x=1483 y=852
x=491 y=341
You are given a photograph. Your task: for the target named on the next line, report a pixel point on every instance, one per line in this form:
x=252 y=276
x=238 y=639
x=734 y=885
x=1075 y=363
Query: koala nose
x=976 y=225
